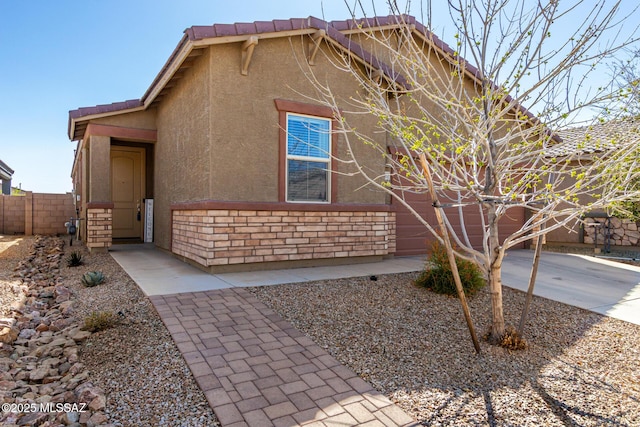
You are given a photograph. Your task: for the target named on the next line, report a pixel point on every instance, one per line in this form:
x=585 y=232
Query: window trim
x=308 y=159
x=285 y=107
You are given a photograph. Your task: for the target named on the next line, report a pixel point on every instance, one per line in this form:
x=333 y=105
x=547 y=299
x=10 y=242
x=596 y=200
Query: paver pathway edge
x=256 y=369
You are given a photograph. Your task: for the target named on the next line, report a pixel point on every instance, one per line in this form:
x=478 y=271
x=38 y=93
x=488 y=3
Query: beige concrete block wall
x=51 y=211
x=99 y=228
x=36 y=213
x=13 y=215
x=225 y=237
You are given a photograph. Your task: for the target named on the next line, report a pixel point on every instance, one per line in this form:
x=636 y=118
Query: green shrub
x=74 y=259
x=92 y=278
x=99 y=321
x=439 y=278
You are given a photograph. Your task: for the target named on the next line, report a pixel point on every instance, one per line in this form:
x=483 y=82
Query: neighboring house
x=5 y=176
x=583 y=143
x=236 y=157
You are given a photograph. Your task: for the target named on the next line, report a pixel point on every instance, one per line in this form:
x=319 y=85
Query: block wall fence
x=36 y=213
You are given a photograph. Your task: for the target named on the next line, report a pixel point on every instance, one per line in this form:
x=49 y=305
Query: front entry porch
x=113 y=178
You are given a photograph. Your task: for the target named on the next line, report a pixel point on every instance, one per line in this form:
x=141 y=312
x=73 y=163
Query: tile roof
x=334 y=32
x=199 y=33
x=105 y=108
x=595 y=138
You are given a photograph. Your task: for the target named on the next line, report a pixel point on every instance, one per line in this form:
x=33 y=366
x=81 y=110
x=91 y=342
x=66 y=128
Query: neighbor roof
x=5 y=171
x=595 y=138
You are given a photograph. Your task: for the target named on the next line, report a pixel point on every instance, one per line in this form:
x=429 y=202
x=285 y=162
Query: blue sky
x=60 y=55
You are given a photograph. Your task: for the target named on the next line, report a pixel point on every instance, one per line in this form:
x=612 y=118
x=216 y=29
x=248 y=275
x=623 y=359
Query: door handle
x=139 y=216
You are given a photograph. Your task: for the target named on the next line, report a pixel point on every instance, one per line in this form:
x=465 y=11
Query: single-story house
x=227 y=163
x=5 y=177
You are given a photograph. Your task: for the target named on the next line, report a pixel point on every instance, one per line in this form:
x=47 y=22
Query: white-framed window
x=308 y=160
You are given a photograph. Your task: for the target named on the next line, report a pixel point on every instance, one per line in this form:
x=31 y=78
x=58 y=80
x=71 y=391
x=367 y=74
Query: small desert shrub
x=74 y=259
x=438 y=276
x=92 y=278
x=99 y=321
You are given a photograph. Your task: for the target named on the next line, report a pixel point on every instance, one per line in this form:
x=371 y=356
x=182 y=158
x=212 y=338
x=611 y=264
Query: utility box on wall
x=148 y=220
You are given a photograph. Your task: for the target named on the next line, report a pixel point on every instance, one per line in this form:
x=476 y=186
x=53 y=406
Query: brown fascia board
x=199 y=35
x=204 y=35
x=475 y=73
x=350 y=46
x=196 y=34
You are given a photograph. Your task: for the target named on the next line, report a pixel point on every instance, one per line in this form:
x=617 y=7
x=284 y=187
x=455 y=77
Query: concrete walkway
x=595 y=284
x=159 y=273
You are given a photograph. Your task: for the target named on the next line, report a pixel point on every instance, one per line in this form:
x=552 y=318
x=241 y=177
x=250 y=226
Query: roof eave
x=75 y=121
x=189 y=43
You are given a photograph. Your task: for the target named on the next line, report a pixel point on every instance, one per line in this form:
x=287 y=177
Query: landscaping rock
x=42 y=364
x=8 y=335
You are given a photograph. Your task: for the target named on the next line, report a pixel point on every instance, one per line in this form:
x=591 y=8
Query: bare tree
x=461 y=109
x=626 y=74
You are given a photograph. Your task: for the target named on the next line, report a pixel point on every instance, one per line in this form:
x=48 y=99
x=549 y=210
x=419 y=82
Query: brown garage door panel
x=412 y=238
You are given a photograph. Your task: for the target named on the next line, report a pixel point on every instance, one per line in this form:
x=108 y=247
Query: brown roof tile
x=282 y=24
x=222 y=30
x=200 y=32
x=265 y=26
x=105 y=108
x=595 y=138
x=246 y=28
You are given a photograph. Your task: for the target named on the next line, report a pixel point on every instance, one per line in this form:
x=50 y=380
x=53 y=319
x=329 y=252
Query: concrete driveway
x=596 y=284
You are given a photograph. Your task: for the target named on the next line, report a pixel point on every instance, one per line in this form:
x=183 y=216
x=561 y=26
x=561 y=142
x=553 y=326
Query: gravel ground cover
x=411 y=344
x=136 y=363
x=146 y=380
x=12 y=251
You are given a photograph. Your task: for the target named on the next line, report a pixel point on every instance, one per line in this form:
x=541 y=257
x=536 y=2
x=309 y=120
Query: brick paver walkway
x=257 y=370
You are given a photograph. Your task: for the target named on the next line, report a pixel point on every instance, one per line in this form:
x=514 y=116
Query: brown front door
x=127 y=190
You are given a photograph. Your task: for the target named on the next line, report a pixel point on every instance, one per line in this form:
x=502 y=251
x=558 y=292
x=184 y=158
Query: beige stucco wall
x=138 y=120
x=182 y=163
x=218 y=133
x=99 y=169
x=245 y=121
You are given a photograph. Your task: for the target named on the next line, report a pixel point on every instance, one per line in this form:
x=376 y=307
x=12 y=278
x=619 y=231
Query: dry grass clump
x=99 y=321
x=511 y=340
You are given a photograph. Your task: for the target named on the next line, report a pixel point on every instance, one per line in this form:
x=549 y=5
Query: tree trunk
x=497 y=315
x=495 y=277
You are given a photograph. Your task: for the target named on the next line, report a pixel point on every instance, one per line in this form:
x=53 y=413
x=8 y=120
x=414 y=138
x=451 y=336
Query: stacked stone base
x=99 y=228
x=212 y=237
x=623 y=232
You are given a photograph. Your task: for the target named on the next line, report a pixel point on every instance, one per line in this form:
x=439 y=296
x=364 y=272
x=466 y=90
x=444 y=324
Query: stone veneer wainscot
x=99 y=227
x=216 y=237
